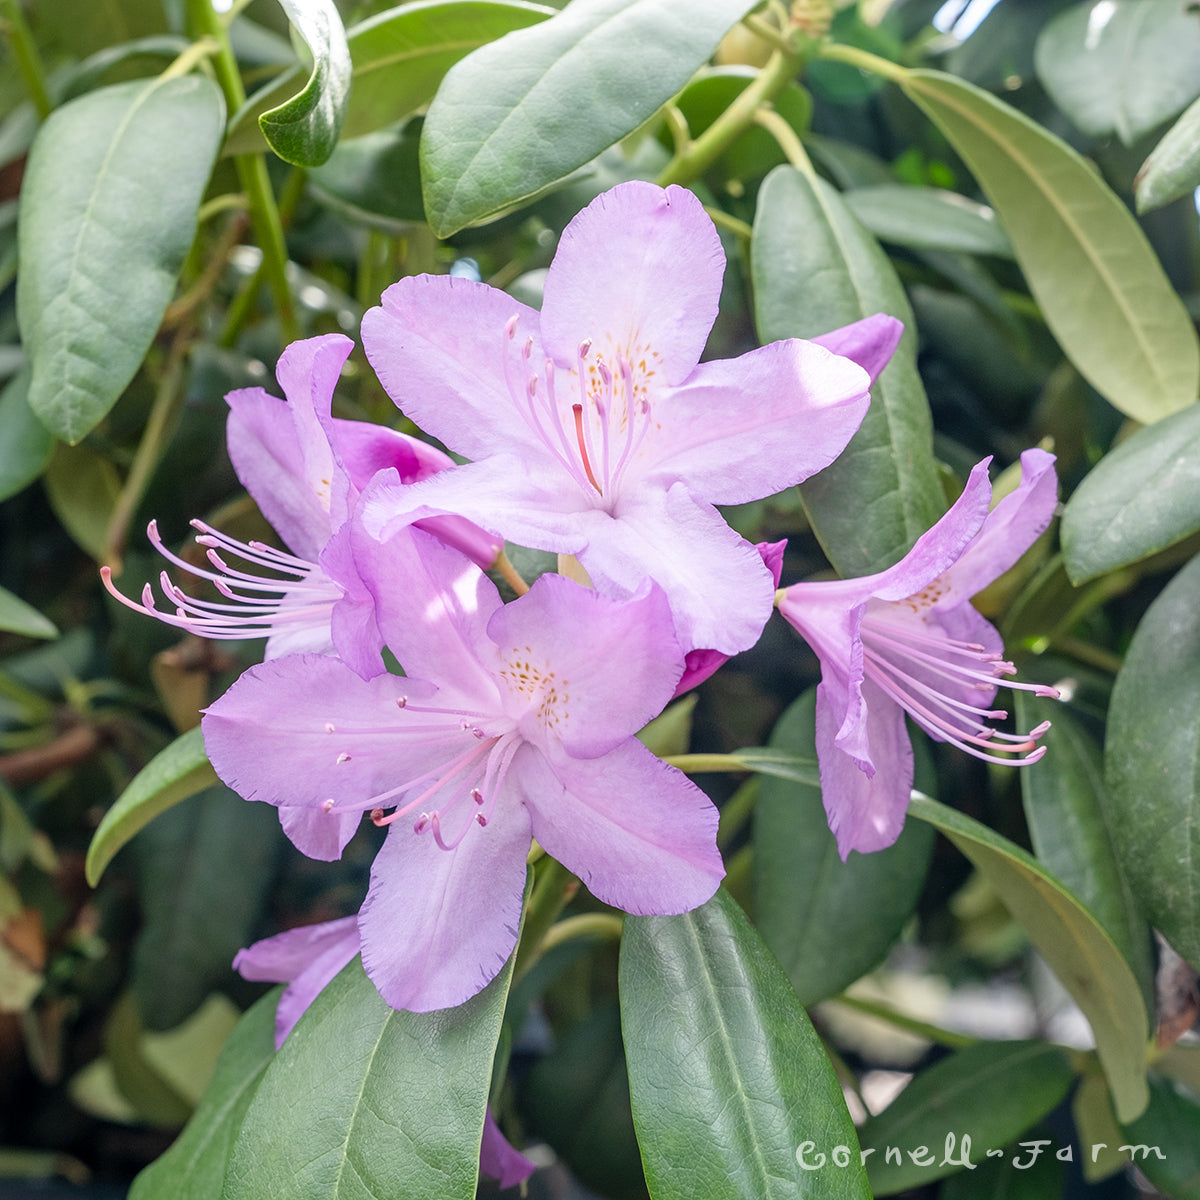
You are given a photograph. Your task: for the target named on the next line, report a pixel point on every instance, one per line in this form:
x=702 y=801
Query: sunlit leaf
x=1173 y=168
x=928 y=218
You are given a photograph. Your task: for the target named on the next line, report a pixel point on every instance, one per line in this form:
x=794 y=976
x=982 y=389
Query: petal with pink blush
x=870 y=342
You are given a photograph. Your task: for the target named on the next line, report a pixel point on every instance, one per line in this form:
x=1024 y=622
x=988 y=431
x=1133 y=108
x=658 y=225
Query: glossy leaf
x=519 y=115
x=1165 y=1142
x=1090 y=268
x=305 y=129
x=928 y=219
x=990 y=1093
x=828 y=921
x=109 y=201
x=194 y=1167
x=27 y=444
x=1068 y=810
x=728 y=1078
x=1173 y=168
x=1141 y=497
x=1070 y=939
x=174 y=774
x=18 y=617
x=363 y=1098
x=1152 y=762
x=815 y=268
x=1120 y=66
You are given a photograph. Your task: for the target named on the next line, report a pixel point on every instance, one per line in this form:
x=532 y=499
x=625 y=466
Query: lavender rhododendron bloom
x=305 y=470
x=594 y=428
x=909 y=640
x=512 y=722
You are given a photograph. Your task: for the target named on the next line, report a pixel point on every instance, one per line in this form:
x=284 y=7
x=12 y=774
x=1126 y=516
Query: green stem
x=553 y=887
x=29 y=62
x=864 y=60
x=695 y=764
x=604 y=927
x=723 y=220
x=786 y=138
x=738 y=117
x=931 y=1033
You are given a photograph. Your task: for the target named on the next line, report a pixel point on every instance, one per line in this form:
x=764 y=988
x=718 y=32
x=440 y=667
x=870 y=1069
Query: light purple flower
x=909 y=640
x=307 y=959
x=305 y=470
x=512 y=722
x=594 y=428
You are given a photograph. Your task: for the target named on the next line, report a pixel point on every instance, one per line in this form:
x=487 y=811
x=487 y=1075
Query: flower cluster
x=593 y=430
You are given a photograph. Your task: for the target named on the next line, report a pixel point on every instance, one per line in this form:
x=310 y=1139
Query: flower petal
x=637 y=272
x=498 y=1159
x=318 y=834
x=870 y=342
x=438 y=925
x=639 y=833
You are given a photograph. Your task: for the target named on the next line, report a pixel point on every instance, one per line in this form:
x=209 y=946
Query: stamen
x=577 y=409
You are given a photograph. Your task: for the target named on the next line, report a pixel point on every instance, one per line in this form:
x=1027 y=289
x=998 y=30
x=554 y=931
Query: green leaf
x=108 y=204
x=989 y=1093
x=1067 y=808
x=18 y=617
x=1141 y=497
x=27 y=445
x=1122 y=67
x=364 y=1099
x=1030 y=1172
x=815 y=268
x=374 y=179
x=1173 y=168
x=828 y=921
x=1165 y=1142
x=728 y=1079
x=174 y=774
x=305 y=129
x=204 y=871
x=517 y=116
x=194 y=1167
x=1152 y=762
x=1070 y=939
x=83 y=488
x=928 y=219
x=1088 y=264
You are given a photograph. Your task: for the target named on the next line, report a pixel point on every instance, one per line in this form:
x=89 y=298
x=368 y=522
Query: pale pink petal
x=497 y=1158
x=639 y=833
x=319 y=834
x=870 y=342
x=637 y=272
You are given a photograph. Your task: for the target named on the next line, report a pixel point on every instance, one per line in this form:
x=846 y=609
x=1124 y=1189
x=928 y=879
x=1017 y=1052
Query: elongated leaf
x=978 y=1099
x=1165 y=1142
x=1120 y=67
x=83 y=487
x=1070 y=939
x=18 y=617
x=929 y=218
x=305 y=129
x=1143 y=496
x=194 y=1167
x=1030 y=1172
x=828 y=921
x=733 y=1095
x=815 y=268
x=108 y=207
x=174 y=774
x=521 y=114
x=1068 y=810
x=27 y=444
x=364 y=1100
x=1102 y=291
x=782 y=764
x=1152 y=762
x=375 y=179
x=1173 y=168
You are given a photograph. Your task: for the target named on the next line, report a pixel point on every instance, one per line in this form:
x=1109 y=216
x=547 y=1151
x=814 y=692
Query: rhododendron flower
x=908 y=640
x=305 y=470
x=594 y=428
x=307 y=959
x=513 y=721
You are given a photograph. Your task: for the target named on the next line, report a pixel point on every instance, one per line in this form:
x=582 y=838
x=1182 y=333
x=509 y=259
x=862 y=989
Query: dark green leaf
x=194 y=1167
x=305 y=129
x=1165 y=1142
x=828 y=921
x=1070 y=939
x=83 y=487
x=816 y=268
x=364 y=1100
x=1090 y=268
x=928 y=218
x=174 y=774
x=375 y=179
x=1067 y=808
x=989 y=1093
x=1142 y=497
x=519 y=115
x=1122 y=67
x=1152 y=762
x=18 y=617
x=108 y=208
x=1028 y=1172
x=1173 y=168
x=728 y=1079
x=27 y=444
x=205 y=869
